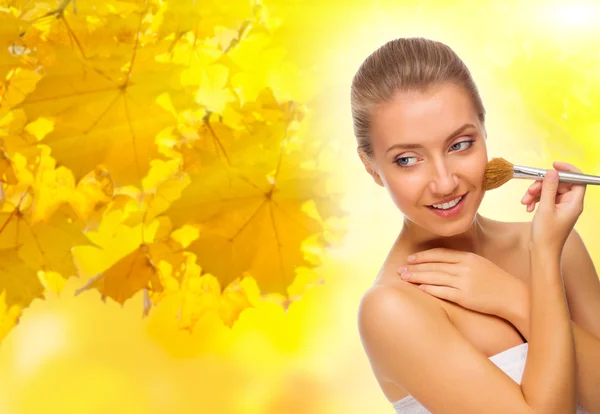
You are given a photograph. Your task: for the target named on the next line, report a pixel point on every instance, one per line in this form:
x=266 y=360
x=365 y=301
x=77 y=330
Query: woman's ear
x=368 y=163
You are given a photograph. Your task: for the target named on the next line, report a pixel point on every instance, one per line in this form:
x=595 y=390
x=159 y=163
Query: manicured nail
x=405 y=275
x=422 y=287
x=411 y=258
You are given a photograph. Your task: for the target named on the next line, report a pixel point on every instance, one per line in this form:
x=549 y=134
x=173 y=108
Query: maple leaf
x=201 y=17
x=19 y=82
x=92 y=193
x=16 y=138
x=103 y=114
x=250 y=219
x=152 y=135
x=44 y=245
x=239 y=135
x=18 y=281
x=127 y=276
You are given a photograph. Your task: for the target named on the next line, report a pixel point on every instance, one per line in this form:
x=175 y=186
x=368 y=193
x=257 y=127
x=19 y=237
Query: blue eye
x=401 y=161
x=453 y=147
x=405 y=161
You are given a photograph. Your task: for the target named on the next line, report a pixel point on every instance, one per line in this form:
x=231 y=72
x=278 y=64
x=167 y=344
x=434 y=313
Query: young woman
x=468 y=314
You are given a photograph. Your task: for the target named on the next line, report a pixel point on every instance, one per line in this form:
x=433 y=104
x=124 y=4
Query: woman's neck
x=416 y=238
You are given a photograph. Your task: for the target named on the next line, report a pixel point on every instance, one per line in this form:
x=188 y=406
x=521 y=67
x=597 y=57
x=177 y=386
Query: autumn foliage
x=160 y=147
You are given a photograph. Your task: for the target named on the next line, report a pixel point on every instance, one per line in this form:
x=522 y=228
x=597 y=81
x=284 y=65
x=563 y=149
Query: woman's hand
x=560 y=205
x=468 y=280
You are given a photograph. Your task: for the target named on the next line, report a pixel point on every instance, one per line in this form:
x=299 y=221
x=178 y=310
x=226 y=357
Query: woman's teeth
x=448 y=205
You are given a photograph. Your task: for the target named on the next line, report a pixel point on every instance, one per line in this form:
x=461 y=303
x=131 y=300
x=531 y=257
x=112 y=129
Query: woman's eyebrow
x=450 y=137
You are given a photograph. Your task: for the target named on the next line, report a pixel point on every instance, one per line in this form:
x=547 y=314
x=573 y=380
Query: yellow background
x=536 y=64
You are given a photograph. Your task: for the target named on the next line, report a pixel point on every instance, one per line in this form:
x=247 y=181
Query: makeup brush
x=499 y=171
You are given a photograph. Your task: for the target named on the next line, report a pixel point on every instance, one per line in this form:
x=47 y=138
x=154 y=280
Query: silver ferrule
x=521 y=171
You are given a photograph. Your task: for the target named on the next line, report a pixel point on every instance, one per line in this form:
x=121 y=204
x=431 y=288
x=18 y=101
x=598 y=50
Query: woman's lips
x=451 y=212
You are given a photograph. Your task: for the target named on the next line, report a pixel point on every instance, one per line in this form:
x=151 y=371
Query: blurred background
x=185 y=225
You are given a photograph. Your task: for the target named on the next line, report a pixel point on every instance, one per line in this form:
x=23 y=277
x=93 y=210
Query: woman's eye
x=404 y=161
x=456 y=147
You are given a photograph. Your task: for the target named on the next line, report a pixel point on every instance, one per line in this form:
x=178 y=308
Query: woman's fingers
x=535 y=190
x=535 y=187
x=565 y=166
x=530 y=207
x=442 y=292
x=429 y=278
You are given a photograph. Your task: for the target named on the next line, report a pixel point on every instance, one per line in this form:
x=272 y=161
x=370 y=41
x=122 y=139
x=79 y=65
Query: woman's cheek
x=405 y=191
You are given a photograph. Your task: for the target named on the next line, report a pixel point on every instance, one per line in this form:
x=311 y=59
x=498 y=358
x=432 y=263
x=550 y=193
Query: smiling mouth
x=449 y=205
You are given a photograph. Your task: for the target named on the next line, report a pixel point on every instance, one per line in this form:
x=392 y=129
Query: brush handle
x=520 y=171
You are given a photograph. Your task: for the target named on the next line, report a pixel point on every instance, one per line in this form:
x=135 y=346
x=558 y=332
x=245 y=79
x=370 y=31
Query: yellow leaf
x=18 y=281
x=179 y=16
x=113 y=238
x=102 y=115
x=52 y=188
x=44 y=245
x=9 y=316
x=185 y=235
x=52 y=281
x=237 y=296
x=126 y=277
x=251 y=219
x=93 y=192
x=16 y=140
x=200 y=295
x=159 y=200
x=40 y=128
x=213 y=93
x=19 y=83
x=12 y=49
x=305 y=279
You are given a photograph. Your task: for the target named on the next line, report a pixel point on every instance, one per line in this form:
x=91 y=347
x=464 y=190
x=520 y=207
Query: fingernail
x=405 y=275
x=402 y=269
x=411 y=258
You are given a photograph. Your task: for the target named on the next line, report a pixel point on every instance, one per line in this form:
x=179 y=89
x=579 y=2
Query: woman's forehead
x=422 y=117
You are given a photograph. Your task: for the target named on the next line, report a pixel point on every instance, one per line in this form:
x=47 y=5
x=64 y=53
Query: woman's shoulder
x=385 y=305
x=390 y=295
x=392 y=320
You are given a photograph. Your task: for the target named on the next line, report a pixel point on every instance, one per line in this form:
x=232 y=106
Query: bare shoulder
x=413 y=344
x=384 y=301
x=391 y=307
x=520 y=232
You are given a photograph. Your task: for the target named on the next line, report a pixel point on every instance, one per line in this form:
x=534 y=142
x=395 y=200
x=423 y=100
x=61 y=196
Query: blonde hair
x=402 y=65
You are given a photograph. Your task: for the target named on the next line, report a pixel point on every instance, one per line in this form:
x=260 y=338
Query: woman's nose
x=444 y=181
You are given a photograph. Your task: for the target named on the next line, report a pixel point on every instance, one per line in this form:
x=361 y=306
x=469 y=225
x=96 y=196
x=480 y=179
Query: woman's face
x=429 y=149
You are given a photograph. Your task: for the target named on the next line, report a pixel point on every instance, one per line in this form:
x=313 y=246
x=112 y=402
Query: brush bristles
x=497 y=172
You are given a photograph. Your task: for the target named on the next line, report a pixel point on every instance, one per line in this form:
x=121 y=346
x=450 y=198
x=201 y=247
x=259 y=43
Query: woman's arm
x=548 y=381
x=415 y=345
x=583 y=296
